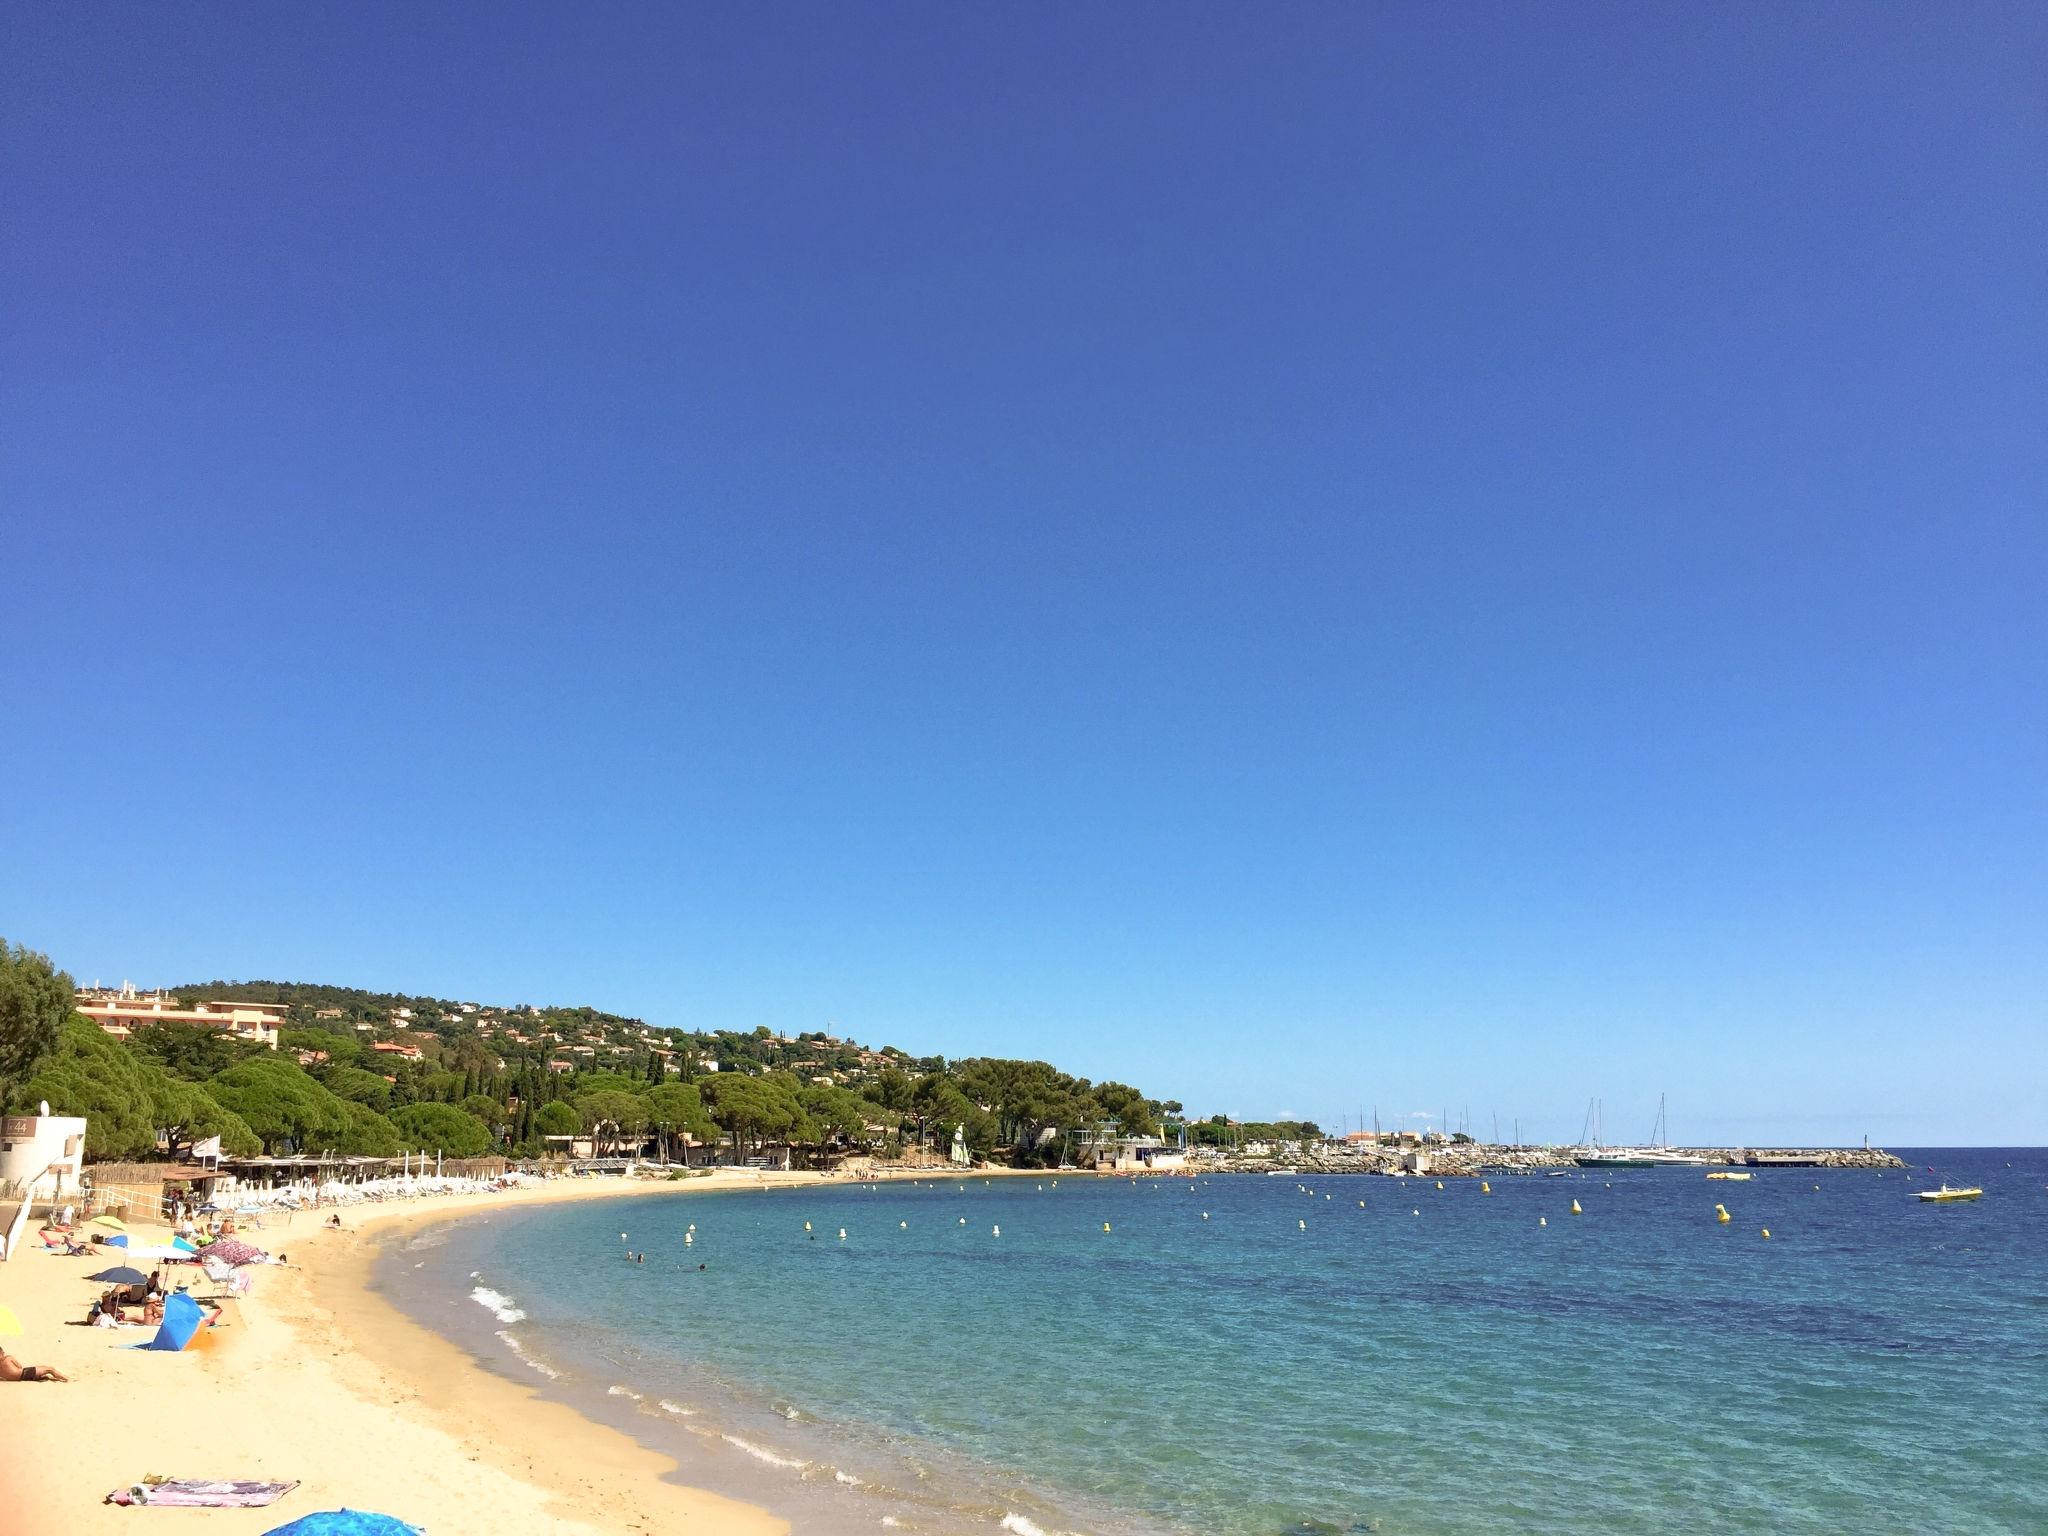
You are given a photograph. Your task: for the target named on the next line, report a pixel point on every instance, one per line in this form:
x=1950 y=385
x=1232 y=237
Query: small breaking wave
x=675 y=1408
x=618 y=1391
x=498 y=1302
x=514 y=1345
x=1017 y=1525
x=760 y=1454
x=848 y=1479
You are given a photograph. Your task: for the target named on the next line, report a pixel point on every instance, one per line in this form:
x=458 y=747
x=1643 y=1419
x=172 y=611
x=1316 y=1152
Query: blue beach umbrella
x=345 y=1522
x=182 y=1319
x=120 y=1274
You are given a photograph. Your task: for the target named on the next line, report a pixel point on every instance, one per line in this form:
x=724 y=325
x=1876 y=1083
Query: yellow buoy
x=1575 y=1209
x=1439 y=1183
x=807 y=1226
x=1361 y=1205
x=1767 y=1231
x=1105 y=1226
x=1542 y=1221
x=1721 y=1214
x=1485 y=1188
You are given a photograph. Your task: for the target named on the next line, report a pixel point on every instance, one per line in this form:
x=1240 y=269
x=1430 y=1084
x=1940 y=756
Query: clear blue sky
x=1304 y=557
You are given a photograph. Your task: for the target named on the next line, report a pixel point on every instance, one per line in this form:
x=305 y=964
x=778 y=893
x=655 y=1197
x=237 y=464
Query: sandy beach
x=315 y=1377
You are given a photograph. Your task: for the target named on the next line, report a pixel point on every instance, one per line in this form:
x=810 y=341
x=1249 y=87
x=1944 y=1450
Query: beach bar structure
x=1129 y=1154
x=317 y=1168
x=41 y=1157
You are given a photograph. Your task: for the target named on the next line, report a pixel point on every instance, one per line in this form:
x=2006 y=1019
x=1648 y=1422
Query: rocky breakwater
x=1477 y=1159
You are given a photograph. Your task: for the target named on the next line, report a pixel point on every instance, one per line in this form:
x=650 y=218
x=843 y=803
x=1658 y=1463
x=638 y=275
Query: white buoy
x=1303 y=1225
x=904 y=1225
x=807 y=1226
x=963 y=1221
x=842 y=1234
x=1542 y=1221
x=995 y=1231
x=1205 y=1215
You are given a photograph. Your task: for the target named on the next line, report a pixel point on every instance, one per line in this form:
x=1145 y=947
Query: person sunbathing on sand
x=12 y=1369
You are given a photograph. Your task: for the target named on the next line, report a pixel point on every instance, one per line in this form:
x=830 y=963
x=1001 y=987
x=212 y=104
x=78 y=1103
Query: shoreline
x=319 y=1377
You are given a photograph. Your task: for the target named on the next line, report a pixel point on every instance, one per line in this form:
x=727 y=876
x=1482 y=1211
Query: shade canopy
x=120 y=1274
x=182 y=1319
x=110 y=1221
x=345 y=1522
x=233 y=1250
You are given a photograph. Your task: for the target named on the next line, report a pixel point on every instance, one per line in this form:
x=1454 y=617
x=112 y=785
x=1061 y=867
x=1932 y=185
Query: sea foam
x=499 y=1304
x=514 y=1345
x=760 y=1454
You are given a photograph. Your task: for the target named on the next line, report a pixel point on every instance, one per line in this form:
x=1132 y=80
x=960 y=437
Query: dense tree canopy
x=474 y=1076
x=192 y=1051
x=441 y=1128
x=125 y=1098
x=35 y=1000
x=358 y=1087
x=676 y=1110
x=557 y=1119
x=282 y=1104
x=614 y=1118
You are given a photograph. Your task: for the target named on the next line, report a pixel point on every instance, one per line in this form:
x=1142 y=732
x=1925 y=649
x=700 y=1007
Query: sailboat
x=1657 y=1155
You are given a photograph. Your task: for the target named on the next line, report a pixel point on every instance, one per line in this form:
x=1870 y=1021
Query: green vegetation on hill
x=462 y=1078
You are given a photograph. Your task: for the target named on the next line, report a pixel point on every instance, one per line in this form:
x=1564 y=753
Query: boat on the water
x=1725 y=1174
x=1658 y=1154
x=1636 y=1157
x=1945 y=1193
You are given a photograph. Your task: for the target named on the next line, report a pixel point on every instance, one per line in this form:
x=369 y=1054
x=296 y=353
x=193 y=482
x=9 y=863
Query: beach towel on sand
x=202 y=1493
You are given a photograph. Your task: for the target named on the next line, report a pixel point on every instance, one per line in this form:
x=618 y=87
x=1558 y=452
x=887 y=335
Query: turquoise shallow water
x=1431 y=1362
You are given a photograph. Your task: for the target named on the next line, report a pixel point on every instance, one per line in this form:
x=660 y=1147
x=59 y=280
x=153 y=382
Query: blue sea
x=1256 y=1355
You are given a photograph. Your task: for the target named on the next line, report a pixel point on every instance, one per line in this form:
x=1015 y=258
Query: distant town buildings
x=120 y=1011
